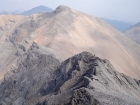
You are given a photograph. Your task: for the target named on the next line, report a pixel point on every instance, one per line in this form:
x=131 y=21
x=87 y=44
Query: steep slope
x=8 y=24
x=65 y=32
x=120 y=25
x=134 y=33
x=83 y=79
x=38 y=9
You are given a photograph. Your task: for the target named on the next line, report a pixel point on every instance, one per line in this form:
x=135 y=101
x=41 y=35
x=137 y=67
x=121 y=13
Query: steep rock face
x=8 y=24
x=34 y=69
x=40 y=79
x=98 y=77
x=82 y=97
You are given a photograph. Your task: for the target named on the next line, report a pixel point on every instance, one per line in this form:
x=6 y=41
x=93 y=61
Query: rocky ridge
x=83 y=79
x=66 y=32
x=37 y=76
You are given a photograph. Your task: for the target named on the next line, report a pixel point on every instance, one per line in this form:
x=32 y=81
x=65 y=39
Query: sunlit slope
x=66 y=32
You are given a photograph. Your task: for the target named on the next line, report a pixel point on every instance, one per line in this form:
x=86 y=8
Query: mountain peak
x=62 y=8
x=41 y=6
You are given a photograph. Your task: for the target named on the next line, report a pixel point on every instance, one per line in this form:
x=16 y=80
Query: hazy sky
x=125 y=10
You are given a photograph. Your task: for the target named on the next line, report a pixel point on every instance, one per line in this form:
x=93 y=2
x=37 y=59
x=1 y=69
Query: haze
x=123 y=10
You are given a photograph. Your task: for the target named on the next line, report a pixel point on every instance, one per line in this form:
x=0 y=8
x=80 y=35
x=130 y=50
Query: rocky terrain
x=84 y=79
x=134 y=33
x=65 y=32
x=37 y=67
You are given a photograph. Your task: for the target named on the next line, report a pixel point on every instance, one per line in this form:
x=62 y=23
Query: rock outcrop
x=32 y=50
x=83 y=79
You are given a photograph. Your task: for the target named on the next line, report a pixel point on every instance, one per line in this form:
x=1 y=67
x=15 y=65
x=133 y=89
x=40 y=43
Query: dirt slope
x=66 y=32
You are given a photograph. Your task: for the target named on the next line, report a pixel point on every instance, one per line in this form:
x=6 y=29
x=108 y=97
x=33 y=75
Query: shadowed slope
x=83 y=79
x=8 y=24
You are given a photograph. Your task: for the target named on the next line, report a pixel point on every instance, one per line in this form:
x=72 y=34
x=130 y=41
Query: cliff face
x=83 y=79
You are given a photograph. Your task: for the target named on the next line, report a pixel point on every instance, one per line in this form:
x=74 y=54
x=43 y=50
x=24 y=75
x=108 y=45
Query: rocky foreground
x=39 y=78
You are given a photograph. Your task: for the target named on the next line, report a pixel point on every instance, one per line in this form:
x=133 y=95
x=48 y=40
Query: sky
x=123 y=10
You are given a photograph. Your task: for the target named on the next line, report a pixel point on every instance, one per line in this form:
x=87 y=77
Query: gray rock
x=83 y=79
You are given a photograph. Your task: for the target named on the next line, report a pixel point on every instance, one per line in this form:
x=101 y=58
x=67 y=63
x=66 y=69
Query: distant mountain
x=5 y=12
x=29 y=12
x=134 y=26
x=36 y=10
x=18 y=11
x=120 y=25
x=133 y=32
x=12 y=12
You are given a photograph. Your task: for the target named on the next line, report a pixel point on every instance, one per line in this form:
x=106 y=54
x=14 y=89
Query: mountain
x=18 y=11
x=5 y=12
x=133 y=33
x=65 y=32
x=12 y=12
x=38 y=9
x=60 y=58
x=84 y=79
x=120 y=25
